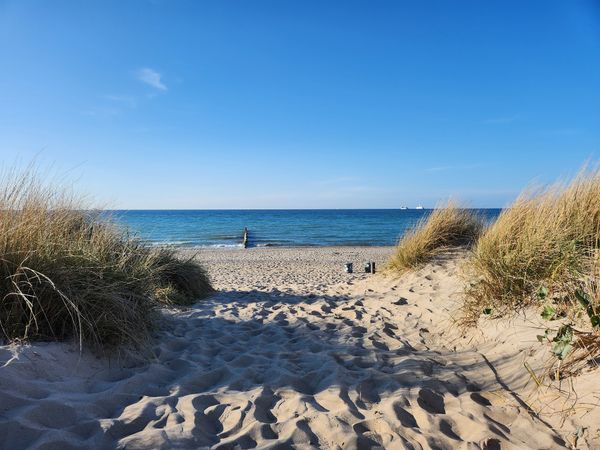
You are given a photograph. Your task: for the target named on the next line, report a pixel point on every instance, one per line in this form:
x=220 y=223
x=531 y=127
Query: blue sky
x=300 y=104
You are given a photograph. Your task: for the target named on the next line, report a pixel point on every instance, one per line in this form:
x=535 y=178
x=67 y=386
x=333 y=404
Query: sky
x=300 y=104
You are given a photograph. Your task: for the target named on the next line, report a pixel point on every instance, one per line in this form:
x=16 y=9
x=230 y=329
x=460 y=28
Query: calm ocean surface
x=224 y=228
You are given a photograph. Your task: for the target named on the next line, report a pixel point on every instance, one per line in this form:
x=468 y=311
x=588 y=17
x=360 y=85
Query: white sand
x=293 y=353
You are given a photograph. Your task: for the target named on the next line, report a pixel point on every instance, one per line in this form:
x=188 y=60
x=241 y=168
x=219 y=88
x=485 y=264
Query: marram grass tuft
x=543 y=246
x=68 y=273
x=445 y=228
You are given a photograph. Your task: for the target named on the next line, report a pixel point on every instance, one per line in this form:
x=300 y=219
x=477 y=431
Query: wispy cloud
x=125 y=100
x=339 y=180
x=563 y=132
x=454 y=168
x=343 y=187
x=101 y=111
x=502 y=120
x=151 y=77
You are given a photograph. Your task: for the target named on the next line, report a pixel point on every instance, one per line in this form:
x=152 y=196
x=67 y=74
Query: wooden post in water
x=245 y=243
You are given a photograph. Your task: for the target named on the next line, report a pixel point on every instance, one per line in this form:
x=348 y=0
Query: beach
x=289 y=352
x=299 y=225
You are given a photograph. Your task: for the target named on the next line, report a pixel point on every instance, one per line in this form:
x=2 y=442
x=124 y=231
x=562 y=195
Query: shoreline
x=184 y=248
x=292 y=247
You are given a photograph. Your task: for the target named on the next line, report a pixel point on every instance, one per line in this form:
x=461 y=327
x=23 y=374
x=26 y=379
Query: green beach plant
x=572 y=347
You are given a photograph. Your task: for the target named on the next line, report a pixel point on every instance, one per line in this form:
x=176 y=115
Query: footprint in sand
x=401 y=301
x=431 y=402
x=405 y=418
x=264 y=404
x=52 y=414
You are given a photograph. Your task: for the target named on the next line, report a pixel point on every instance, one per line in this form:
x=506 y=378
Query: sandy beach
x=291 y=352
x=185 y=187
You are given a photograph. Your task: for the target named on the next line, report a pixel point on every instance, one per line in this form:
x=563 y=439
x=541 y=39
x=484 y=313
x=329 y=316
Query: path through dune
x=289 y=353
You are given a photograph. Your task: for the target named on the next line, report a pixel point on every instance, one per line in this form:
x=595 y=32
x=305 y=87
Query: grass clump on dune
x=178 y=281
x=68 y=273
x=545 y=245
x=445 y=228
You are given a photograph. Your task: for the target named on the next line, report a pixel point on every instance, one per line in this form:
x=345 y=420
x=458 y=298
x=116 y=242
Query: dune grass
x=543 y=246
x=445 y=228
x=544 y=251
x=179 y=281
x=68 y=273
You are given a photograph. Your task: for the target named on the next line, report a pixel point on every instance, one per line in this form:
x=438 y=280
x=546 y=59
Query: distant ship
x=419 y=207
x=403 y=208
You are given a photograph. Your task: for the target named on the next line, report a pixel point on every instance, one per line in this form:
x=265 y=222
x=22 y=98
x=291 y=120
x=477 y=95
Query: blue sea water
x=224 y=228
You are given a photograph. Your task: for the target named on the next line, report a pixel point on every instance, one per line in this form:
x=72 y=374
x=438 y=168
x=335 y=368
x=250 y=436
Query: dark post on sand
x=245 y=242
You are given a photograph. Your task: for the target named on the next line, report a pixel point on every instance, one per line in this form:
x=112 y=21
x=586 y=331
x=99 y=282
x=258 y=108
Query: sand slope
x=290 y=353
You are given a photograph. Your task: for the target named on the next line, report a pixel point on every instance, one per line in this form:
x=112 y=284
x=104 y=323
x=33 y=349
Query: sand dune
x=289 y=353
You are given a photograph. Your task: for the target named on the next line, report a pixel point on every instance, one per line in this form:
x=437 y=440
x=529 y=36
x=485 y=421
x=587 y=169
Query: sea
x=274 y=228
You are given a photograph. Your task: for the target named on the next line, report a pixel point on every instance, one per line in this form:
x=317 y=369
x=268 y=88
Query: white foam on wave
x=220 y=246
x=191 y=244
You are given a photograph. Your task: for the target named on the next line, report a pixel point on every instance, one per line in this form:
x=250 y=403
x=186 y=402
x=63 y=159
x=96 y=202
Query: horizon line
x=288 y=209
